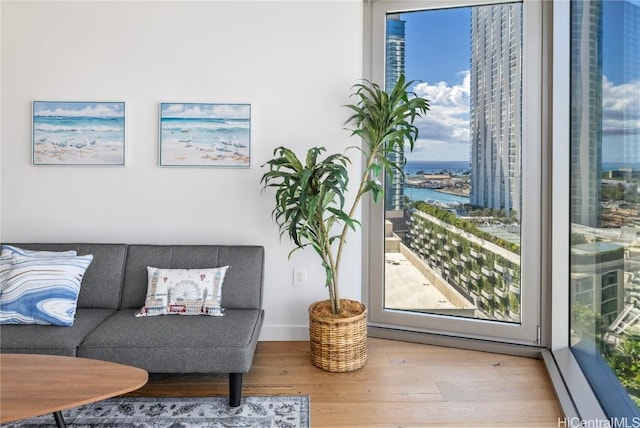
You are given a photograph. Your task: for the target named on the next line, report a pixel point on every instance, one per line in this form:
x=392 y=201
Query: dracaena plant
x=310 y=198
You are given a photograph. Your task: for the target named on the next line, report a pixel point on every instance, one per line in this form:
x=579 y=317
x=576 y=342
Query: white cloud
x=228 y=111
x=445 y=129
x=173 y=108
x=92 y=110
x=620 y=107
x=231 y=110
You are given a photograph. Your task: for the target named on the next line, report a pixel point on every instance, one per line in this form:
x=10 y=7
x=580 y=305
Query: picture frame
x=78 y=133
x=205 y=135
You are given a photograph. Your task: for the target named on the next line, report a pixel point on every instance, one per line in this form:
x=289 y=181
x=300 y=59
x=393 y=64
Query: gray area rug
x=143 y=412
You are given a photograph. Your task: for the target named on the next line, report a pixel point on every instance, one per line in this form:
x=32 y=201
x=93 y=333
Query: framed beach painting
x=78 y=133
x=202 y=134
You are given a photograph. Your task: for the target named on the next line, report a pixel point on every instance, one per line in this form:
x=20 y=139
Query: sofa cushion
x=183 y=292
x=102 y=283
x=178 y=344
x=42 y=290
x=242 y=285
x=49 y=339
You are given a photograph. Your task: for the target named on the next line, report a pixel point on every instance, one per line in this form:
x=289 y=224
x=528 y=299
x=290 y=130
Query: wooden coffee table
x=32 y=385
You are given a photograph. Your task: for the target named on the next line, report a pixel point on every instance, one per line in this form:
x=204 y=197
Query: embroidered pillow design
x=184 y=292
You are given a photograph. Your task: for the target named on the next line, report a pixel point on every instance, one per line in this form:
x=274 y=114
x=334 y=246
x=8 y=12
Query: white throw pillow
x=42 y=290
x=184 y=292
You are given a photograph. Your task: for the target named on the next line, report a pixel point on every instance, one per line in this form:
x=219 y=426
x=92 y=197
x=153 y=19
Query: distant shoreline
x=458 y=192
x=454 y=165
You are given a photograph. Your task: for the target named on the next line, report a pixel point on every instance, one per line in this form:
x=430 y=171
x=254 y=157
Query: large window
x=553 y=200
x=605 y=199
x=455 y=243
x=446 y=246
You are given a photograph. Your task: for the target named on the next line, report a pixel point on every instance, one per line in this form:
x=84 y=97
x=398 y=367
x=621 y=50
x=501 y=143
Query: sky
x=208 y=111
x=440 y=66
x=78 y=109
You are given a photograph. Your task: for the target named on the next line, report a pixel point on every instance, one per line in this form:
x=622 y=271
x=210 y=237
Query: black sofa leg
x=235 y=389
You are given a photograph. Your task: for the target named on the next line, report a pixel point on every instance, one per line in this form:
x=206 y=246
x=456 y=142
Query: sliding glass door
x=447 y=247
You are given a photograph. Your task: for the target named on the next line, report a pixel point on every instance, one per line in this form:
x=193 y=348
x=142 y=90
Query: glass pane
x=452 y=226
x=605 y=198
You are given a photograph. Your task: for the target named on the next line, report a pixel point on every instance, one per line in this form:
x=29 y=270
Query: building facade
x=395 y=67
x=631 y=73
x=496 y=106
x=597 y=278
x=486 y=274
x=586 y=115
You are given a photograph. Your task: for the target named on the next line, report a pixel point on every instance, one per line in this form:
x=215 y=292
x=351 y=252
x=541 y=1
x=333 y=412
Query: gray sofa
x=114 y=288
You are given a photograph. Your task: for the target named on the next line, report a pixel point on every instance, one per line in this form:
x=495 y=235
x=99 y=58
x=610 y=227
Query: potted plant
x=310 y=199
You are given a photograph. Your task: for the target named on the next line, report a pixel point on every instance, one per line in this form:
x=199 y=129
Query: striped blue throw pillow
x=42 y=290
x=6 y=258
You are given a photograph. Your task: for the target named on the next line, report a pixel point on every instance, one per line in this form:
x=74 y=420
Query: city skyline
x=442 y=74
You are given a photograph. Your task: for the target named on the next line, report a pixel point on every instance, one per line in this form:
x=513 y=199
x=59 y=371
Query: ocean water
x=228 y=134
x=412 y=167
x=432 y=167
x=423 y=194
x=65 y=131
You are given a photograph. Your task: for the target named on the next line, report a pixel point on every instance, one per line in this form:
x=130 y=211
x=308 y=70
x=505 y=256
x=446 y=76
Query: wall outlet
x=299 y=277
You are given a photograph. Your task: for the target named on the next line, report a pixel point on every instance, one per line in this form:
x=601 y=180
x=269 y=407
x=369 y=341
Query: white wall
x=294 y=62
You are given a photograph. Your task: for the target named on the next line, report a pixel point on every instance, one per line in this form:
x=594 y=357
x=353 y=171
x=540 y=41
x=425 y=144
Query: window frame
x=528 y=331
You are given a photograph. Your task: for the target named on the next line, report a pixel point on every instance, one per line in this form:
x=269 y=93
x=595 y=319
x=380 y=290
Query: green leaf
x=310 y=197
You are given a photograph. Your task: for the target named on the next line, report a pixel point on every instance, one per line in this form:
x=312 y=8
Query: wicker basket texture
x=338 y=344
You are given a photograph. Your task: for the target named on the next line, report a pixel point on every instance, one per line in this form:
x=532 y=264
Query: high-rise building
x=597 y=278
x=631 y=73
x=395 y=61
x=496 y=106
x=586 y=112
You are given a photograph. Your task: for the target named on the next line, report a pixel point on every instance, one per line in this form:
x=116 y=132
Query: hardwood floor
x=403 y=384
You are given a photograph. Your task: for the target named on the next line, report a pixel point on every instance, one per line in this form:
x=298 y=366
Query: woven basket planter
x=338 y=344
